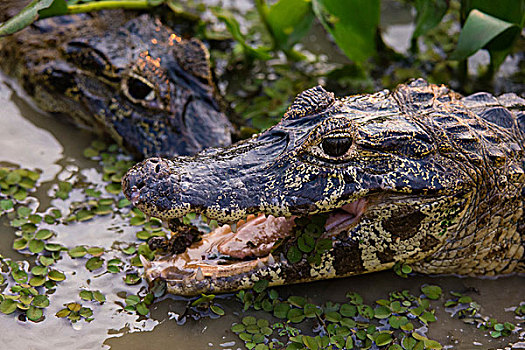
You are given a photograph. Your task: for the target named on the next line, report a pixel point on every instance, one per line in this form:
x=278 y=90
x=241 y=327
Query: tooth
x=241 y=222
x=233 y=227
x=145 y=262
x=135 y=196
x=260 y=264
x=271 y=260
x=250 y=217
x=199 y=276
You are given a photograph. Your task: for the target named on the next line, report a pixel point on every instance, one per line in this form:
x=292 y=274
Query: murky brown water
x=33 y=140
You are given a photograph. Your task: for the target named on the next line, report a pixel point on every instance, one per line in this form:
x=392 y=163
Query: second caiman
x=125 y=76
x=419 y=175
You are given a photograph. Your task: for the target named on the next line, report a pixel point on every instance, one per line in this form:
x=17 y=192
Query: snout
x=150 y=185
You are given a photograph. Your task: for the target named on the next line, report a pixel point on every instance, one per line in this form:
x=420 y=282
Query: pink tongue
x=257 y=237
x=341 y=216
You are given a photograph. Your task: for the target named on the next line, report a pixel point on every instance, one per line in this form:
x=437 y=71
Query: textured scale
x=131 y=78
x=442 y=176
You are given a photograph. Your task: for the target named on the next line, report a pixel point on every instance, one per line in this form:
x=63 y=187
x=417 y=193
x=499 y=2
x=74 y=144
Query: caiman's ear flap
x=194 y=57
x=83 y=53
x=310 y=101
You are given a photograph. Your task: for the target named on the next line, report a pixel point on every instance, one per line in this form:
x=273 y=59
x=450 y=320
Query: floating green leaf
x=383 y=338
x=57 y=276
x=132 y=278
x=296 y=315
x=6 y=204
x=94 y=263
x=432 y=292
x=41 y=301
x=36 y=246
x=86 y=295
x=20 y=243
x=260 y=286
x=280 y=310
x=53 y=247
x=8 y=306
x=34 y=314
x=44 y=234
x=95 y=251
x=238 y=328
x=77 y=252
x=142 y=309
x=217 y=310
x=294 y=255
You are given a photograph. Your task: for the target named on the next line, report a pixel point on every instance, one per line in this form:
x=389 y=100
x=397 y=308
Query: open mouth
x=252 y=243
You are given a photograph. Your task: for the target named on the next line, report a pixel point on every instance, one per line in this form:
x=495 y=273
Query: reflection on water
x=42 y=152
x=38 y=141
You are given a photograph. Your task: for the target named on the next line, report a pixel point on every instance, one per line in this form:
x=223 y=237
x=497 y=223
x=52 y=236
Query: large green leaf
x=289 y=21
x=352 y=23
x=512 y=11
x=429 y=14
x=479 y=29
x=25 y=17
x=57 y=8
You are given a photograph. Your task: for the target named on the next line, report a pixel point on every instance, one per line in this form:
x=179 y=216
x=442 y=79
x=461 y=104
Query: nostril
x=157 y=168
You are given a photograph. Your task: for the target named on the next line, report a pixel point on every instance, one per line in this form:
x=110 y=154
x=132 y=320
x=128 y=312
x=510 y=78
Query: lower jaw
x=204 y=268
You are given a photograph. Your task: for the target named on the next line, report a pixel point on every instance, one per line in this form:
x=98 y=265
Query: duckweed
x=75 y=312
x=140 y=305
x=207 y=302
x=342 y=325
x=466 y=309
x=15 y=185
x=92 y=295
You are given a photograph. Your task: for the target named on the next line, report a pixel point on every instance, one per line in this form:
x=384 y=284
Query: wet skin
x=419 y=175
x=127 y=77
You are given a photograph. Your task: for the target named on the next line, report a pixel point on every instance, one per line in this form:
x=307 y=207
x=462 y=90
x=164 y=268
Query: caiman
x=128 y=77
x=419 y=175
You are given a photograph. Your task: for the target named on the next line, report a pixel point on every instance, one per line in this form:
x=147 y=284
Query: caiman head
x=338 y=187
x=135 y=80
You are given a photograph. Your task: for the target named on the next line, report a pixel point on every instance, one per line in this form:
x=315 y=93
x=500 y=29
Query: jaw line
x=182 y=269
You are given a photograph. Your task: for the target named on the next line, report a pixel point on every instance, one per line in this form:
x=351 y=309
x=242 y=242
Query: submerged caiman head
x=133 y=79
x=338 y=187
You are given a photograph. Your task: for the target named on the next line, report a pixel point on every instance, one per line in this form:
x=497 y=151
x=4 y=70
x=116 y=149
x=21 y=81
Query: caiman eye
x=139 y=90
x=336 y=146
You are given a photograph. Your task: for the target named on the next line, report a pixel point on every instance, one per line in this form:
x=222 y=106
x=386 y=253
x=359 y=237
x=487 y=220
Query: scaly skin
x=424 y=177
x=131 y=78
